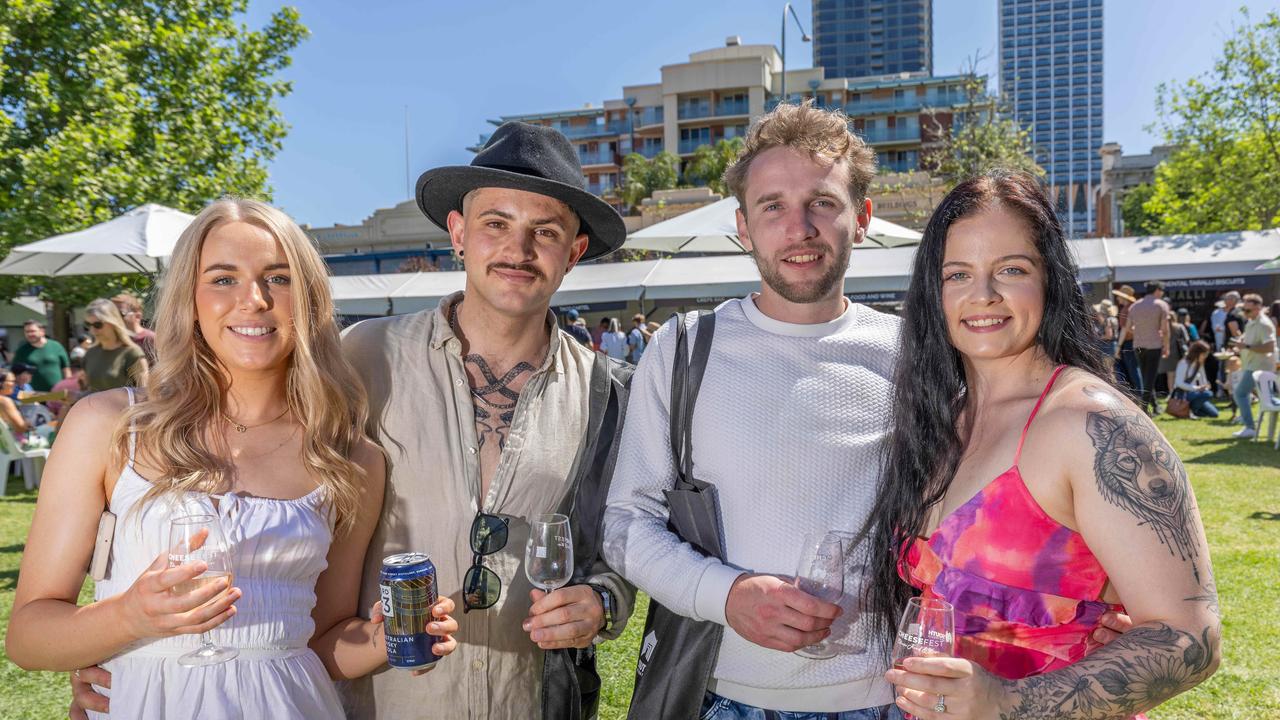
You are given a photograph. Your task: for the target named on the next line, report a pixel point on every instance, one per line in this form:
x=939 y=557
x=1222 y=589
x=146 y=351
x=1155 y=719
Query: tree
x=710 y=161
x=982 y=136
x=108 y=105
x=1225 y=174
x=642 y=176
x=1137 y=221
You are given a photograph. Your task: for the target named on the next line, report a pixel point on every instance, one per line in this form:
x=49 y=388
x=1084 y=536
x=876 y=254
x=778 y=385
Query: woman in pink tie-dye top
x=1025 y=490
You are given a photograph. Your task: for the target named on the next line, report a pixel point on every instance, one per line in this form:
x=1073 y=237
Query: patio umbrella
x=713 y=229
x=135 y=242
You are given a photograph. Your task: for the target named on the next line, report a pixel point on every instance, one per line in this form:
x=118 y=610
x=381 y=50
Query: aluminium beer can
x=408 y=590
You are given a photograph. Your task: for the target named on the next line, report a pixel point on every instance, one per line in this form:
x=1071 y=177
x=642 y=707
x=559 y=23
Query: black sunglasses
x=481 y=586
x=95 y=325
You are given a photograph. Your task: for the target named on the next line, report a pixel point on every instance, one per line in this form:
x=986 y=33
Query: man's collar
x=442 y=330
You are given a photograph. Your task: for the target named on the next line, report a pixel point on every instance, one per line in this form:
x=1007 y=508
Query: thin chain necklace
x=242 y=428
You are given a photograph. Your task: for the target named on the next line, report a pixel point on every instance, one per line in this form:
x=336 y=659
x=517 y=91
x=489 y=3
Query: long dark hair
x=925 y=445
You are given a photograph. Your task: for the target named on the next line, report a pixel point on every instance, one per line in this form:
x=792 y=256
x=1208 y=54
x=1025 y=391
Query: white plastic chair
x=1268 y=403
x=32 y=460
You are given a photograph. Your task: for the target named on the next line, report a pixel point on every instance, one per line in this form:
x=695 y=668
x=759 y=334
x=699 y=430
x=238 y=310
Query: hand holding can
x=415 y=620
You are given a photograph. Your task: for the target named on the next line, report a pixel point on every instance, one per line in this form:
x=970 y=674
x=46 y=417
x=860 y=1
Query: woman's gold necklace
x=241 y=428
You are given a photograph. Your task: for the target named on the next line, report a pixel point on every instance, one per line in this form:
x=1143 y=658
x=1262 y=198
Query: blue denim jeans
x=1244 y=398
x=1201 y=402
x=715 y=707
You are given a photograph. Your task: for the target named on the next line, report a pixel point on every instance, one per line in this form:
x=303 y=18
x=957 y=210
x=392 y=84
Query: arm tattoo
x=495 y=402
x=1209 y=596
x=1145 y=667
x=1137 y=471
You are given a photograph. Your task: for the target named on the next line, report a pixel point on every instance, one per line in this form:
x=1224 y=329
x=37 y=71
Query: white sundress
x=278 y=549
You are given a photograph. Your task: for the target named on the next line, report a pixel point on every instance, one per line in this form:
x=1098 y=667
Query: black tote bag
x=678 y=654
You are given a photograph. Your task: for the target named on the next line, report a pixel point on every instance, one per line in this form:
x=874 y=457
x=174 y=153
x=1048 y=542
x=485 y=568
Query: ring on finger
x=941 y=705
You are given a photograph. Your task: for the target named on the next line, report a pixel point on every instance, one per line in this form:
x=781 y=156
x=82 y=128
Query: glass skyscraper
x=1051 y=79
x=857 y=38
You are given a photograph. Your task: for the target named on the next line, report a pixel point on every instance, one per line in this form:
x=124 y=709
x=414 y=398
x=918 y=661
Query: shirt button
x=471 y=450
x=458 y=382
x=477 y=664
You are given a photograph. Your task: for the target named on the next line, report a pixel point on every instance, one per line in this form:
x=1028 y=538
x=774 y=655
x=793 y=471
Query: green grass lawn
x=1238 y=487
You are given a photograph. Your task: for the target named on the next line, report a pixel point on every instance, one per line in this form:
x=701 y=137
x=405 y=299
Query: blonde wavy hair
x=823 y=134
x=108 y=313
x=184 y=395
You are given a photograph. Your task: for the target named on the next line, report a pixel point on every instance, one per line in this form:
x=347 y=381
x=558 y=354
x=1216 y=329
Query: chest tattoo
x=495 y=399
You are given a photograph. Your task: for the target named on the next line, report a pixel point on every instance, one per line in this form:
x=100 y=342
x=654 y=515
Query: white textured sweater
x=788 y=426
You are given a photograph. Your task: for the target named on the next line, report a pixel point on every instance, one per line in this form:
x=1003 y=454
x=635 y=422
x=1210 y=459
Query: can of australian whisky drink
x=408 y=589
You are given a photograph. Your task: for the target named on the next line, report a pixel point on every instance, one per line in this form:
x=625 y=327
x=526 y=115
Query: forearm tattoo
x=495 y=402
x=1137 y=471
x=1140 y=670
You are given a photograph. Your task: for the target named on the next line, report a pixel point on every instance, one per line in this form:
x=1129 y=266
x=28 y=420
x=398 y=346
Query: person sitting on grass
x=1189 y=377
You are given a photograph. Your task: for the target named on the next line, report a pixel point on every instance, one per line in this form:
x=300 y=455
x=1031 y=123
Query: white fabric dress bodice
x=278 y=550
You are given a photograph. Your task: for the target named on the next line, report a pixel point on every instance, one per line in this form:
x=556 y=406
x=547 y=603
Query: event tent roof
x=1167 y=257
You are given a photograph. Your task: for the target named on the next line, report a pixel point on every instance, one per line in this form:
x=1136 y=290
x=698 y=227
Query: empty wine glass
x=199 y=538
x=821 y=574
x=548 y=555
x=927 y=629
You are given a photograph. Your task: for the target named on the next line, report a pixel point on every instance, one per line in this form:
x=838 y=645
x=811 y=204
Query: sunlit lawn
x=1237 y=484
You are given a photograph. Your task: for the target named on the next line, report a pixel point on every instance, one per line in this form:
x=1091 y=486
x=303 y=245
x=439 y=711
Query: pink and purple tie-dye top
x=1026 y=589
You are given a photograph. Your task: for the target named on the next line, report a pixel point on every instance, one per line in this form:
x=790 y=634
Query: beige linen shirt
x=1259 y=331
x=421 y=413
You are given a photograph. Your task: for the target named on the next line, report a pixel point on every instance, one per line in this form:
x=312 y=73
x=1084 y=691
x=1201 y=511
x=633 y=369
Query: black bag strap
x=686 y=379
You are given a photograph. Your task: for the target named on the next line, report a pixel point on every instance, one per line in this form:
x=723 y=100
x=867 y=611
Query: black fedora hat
x=534 y=158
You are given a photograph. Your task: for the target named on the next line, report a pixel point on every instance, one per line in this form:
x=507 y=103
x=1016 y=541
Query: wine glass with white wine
x=548 y=555
x=199 y=538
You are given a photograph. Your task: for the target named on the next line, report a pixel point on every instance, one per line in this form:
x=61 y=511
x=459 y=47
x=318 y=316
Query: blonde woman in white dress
x=252 y=415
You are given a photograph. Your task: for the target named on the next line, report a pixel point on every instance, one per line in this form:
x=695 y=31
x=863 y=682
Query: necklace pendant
x=241 y=428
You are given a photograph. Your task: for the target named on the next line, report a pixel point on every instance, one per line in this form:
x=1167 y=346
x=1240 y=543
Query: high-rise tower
x=858 y=38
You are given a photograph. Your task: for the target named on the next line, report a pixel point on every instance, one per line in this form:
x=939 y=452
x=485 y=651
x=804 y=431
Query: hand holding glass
x=927 y=629
x=548 y=555
x=199 y=538
x=821 y=574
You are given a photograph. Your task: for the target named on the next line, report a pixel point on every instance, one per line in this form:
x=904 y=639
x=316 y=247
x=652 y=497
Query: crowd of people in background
x=1162 y=354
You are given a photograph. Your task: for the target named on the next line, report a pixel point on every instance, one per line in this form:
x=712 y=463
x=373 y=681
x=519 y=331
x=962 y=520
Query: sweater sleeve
x=637 y=541
x=1180 y=377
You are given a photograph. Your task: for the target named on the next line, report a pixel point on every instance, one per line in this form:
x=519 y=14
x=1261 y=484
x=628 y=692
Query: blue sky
x=456 y=64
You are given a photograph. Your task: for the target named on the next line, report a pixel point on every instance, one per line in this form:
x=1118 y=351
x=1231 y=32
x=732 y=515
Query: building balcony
x=693 y=111
x=689 y=145
x=649 y=117
x=649 y=151
x=889 y=135
x=587 y=131
x=597 y=157
x=601 y=188
x=734 y=107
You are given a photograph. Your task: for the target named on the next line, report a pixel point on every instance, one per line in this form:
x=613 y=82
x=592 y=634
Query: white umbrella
x=713 y=229
x=135 y=242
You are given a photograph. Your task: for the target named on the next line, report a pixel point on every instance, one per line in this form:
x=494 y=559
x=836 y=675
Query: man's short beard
x=809 y=292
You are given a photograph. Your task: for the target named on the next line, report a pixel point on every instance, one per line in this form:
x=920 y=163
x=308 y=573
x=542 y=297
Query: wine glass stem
x=205 y=641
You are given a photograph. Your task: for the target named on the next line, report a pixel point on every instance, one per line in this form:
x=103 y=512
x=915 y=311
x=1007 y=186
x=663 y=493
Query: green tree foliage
x=1137 y=221
x=710 y=161
x=982 y=136
x=642 y=176
x=1225 y=174
x=109 y=104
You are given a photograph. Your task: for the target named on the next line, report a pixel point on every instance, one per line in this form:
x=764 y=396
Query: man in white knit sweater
x=788 y=425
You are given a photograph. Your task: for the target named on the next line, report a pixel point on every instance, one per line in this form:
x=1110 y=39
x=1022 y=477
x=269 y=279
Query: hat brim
x=440 y=191
x=1124 y=296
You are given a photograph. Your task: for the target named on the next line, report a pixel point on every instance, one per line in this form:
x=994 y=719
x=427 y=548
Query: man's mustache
x=519 y=267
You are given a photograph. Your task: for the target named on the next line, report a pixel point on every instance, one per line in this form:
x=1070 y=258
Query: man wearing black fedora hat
x=475 y=403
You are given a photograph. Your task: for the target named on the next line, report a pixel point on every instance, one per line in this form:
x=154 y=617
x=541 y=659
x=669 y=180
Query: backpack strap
x=686 y=379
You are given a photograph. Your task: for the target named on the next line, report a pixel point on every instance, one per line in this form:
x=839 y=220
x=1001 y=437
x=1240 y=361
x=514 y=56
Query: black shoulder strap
x=686 y=379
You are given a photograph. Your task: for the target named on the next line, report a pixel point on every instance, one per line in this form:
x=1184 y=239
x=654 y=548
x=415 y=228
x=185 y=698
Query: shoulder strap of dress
x=1043 y=394
x=133 y=439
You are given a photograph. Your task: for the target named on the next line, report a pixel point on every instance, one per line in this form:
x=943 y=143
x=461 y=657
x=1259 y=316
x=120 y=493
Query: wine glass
x=548 y=555
x=195 y=538
x=927 y=629
x=821 y=574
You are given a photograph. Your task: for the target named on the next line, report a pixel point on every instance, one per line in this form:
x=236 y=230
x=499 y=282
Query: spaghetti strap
x=1017 y=457
x=133 y=438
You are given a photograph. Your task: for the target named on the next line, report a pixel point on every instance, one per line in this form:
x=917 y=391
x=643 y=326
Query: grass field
x=1238 y=487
